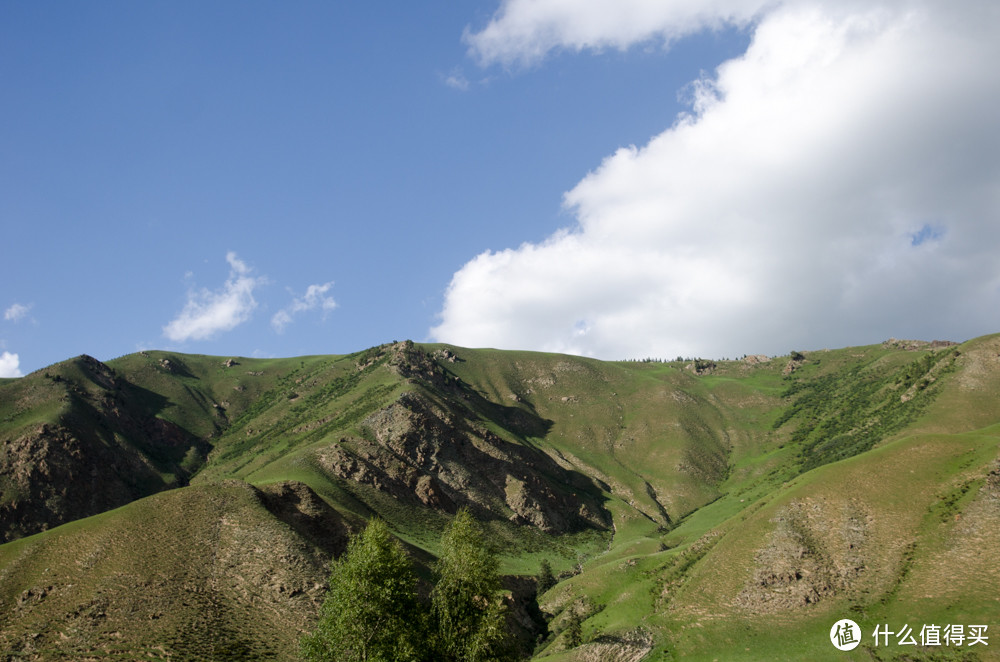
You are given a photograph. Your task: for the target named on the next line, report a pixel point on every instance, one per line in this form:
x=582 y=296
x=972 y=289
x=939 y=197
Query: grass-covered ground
x=750 y=506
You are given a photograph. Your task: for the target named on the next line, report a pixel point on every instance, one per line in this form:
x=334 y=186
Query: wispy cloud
x=456 y=80
x=315 y=298
x=208 y=312
x=17 y=312
x=10 y=365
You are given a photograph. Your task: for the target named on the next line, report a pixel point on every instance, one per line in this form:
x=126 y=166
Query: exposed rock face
x=806 y=559
x=106 y=450
x=52 y=477
x=438 y=445
x=913 y=345
x=525 y=621
x=992 y=486
x=441 y=453
x=418 y=451
x=446 y=355
x=297 y=505
x=701 y=367
x=632 y=646
x=793 y=365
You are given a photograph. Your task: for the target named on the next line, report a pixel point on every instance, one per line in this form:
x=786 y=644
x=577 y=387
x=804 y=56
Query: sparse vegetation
x=841 y=414
x=672 y=500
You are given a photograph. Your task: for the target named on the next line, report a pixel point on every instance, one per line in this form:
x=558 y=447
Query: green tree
x=468 y=614
x=370 y=613
x=545 y=579
x=574 y=630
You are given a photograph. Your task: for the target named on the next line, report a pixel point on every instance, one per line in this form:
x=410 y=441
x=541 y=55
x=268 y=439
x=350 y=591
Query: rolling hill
x=176 y=506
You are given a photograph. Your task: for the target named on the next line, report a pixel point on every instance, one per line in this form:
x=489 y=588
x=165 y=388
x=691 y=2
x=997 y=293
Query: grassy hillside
x=904 y=533
x=223 y=572
x=702 y=510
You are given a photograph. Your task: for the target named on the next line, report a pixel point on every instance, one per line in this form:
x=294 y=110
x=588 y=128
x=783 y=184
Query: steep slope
x=78 y=440
x=903 y=534
x=220 y=572
x=662 y=438
x=388 y=431
x=860 y=539
x=729 y=509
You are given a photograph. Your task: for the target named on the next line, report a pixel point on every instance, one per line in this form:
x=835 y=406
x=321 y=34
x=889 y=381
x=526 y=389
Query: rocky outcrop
x=419 y=451
x=630 y=646
x=105 y=449
x=701 y=367
x=296 y=505
x=811 y=555
x=51 y=477
x=914 y=345
x=795 y=362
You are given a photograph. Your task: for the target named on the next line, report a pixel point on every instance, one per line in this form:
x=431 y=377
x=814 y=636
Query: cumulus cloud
x=839 y=182
x=315 y=298
x=16 y=312
x=10 y=365
x=208 y=312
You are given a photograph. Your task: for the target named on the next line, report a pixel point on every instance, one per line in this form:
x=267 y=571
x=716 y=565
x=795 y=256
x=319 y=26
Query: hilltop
x=177 y=506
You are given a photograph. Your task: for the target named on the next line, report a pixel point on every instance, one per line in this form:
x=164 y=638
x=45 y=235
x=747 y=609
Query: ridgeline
x=176 y=506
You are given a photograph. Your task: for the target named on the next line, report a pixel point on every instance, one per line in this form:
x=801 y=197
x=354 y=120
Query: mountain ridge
x=634 y=479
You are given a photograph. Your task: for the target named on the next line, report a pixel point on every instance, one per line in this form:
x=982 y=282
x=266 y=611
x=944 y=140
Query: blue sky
x=278 y=179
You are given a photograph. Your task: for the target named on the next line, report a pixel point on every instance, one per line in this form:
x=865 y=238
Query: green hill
x=171 y=506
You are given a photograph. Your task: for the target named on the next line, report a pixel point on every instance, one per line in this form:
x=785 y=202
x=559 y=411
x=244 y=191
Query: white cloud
x=456 y=80
x=280 y=320
x=525 y=31
x=17 y=312
x=837 y=183
x=207 y=313
x=314 y=299
x=10 y=365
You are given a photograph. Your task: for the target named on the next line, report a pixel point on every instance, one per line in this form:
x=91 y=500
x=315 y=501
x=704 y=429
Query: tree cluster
x=372 y=613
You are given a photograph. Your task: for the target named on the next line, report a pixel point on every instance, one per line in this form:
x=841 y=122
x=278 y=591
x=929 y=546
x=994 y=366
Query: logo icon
x=845 y=634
